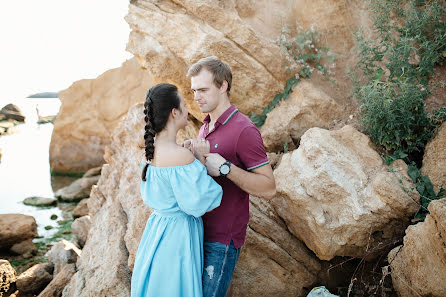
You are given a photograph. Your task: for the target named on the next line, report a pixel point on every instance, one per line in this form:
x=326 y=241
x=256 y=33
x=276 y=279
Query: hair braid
x=149 y=134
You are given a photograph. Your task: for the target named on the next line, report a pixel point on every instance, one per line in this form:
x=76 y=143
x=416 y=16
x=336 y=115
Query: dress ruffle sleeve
x=195 y=191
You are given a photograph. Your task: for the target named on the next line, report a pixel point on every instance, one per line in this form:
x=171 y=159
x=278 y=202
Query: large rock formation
x=306 y=107
x=273 y=256
x=90 y=111
x=257 y=74
x=434 y=160
x=338 y=196
x=243 y=33
x=419 y=265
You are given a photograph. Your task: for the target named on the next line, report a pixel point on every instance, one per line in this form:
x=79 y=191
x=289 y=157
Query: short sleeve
x=250 y=149
x=195 y=191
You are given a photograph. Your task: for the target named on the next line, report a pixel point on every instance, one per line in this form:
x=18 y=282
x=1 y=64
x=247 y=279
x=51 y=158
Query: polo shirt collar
x=225 y=117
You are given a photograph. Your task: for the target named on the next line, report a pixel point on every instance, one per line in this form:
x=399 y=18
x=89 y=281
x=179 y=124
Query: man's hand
x=213 y=163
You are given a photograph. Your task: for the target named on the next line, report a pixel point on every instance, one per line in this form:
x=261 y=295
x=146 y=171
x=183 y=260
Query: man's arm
x=258 y=182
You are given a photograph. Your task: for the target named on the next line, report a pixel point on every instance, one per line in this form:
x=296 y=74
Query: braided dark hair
x=160 y=100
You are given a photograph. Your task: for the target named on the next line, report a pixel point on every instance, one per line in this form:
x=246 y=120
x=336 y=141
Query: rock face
x=15 y=228
x=118 y=218
x=337 y=195
x=306 y=107
x=272 y=258
x=419 y=266
x=257 y=75
x=90 y=111
x=434 y=160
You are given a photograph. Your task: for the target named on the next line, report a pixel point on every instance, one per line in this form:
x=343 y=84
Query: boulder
x=15 y=228
x=62 y=253
x=8 y=277
x=336 y=194
x=35 y=279
x=56 y=287
x=93 y=172
x=90 y=111
x=80 y=227
x=78 y=190
x=434 y=159
x=12 y=112
x=40 y=201
x=419 y=265
x=81 y=209
x=306 y=107
x=24 y=247
x=118 y=218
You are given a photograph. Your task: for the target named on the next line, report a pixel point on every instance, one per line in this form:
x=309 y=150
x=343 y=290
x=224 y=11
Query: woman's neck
x=167 y=136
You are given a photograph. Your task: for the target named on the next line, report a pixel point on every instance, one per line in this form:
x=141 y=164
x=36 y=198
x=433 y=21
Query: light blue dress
x=169 y=260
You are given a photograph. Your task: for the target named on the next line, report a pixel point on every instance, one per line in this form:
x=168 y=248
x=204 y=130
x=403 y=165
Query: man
x=238 y=162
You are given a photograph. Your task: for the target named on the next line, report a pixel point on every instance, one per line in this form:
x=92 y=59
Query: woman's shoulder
x=172 y=157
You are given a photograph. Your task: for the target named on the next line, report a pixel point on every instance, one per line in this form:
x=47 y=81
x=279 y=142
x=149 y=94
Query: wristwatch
x=225 y=168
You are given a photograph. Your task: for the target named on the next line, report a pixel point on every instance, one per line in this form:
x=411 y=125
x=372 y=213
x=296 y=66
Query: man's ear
x=224 y=87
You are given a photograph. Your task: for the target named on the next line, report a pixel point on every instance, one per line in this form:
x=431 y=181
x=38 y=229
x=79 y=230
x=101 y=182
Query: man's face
x=206 y=93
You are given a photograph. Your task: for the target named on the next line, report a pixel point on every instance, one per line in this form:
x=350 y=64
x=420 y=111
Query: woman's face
x=182 y=117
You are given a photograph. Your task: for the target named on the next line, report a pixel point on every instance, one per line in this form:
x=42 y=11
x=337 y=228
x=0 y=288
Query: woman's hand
x=199 y=147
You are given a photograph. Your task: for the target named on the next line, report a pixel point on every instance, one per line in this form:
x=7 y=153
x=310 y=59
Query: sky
x=47 y=45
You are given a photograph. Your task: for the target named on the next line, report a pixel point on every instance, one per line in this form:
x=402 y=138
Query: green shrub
x=391 y=82
x=396 y=66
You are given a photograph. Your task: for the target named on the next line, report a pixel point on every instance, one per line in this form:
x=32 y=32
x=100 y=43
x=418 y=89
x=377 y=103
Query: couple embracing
x=199 y=192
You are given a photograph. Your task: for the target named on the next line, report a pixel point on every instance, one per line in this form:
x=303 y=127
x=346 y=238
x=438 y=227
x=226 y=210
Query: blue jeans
x=219 y=264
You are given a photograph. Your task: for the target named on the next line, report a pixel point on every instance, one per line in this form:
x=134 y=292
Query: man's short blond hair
x=219 y=69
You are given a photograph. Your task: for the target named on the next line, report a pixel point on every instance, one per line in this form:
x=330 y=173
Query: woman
x=169 y=260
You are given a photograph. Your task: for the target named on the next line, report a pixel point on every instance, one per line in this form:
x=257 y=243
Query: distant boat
x=45 y=95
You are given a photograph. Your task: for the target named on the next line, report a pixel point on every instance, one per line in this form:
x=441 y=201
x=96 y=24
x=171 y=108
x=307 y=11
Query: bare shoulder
x=174 y=156
x=182 y=156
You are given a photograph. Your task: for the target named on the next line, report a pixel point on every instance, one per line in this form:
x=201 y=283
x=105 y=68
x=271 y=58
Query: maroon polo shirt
x=238 y=140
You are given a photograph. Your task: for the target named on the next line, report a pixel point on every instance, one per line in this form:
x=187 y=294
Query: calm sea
x=24 y=166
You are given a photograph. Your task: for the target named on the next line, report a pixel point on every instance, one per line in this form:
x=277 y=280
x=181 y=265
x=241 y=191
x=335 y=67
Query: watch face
x=224 y=169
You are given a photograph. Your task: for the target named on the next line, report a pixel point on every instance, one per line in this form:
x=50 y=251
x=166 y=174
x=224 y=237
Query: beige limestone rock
x=257 y=74
x=15 y=228
x=35 y=279
x=434 y=160
x=56 y=286
x=81 y=209
x=306 y=107
x=8 y=276
x=80 y=227
x=26 y=246
x=78 y=190
x=118 y=219
x=419 y=265
x=272 y=258
x=336 y=194
x=11 y=111
x=90 y=111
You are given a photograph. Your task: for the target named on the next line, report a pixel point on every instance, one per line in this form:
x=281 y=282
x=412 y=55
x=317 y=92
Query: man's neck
x=218 y=111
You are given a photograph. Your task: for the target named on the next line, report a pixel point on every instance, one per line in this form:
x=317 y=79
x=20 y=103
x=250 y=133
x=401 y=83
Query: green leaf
x=413 y=172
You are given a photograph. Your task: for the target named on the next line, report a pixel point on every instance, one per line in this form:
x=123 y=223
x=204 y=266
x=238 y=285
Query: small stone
x=54 y=217
x=39 y=201
x=26 y=246
x=48 y=227
x=35 y=279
